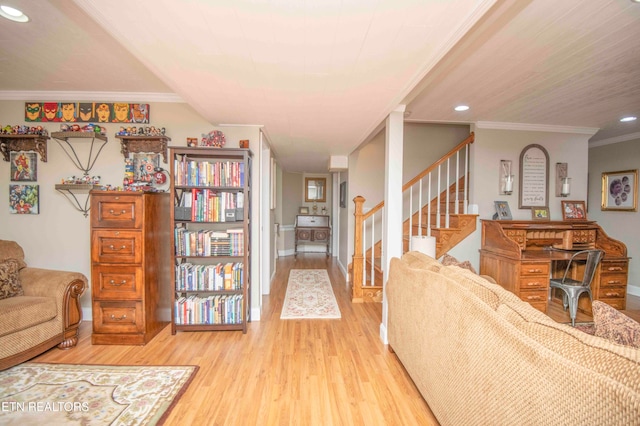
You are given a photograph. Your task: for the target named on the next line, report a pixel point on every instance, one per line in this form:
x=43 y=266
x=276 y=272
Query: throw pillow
x=447 y=260
x=615 y=326
x=10 y=279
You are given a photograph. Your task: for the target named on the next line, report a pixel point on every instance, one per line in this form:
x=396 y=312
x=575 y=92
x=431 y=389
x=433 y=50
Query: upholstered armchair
x=39 y=308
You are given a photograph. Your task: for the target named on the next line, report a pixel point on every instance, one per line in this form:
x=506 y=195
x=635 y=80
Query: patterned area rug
x=64 y=394
x=309 y=295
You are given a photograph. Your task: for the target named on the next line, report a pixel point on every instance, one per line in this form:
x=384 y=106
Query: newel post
x=357 y=263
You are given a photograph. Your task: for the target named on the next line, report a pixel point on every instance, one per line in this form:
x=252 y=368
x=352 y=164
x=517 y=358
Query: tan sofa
x=479 y=355
x=48 y=314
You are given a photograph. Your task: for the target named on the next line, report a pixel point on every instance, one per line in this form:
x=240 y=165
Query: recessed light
x=13 y=14
x=461 y=108
x=630 y=118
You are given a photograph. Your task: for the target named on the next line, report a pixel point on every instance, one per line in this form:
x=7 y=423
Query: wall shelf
x=156 y=144
x=68 y=189
x=36 y=143
x=64 y=139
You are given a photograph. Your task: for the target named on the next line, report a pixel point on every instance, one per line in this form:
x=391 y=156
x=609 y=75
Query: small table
x=312 y=229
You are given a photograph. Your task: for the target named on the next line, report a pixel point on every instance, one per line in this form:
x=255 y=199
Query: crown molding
x=617 y=139
x=536 y=127
x=35 y=95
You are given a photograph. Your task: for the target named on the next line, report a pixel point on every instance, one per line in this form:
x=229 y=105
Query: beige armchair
x=48 y=314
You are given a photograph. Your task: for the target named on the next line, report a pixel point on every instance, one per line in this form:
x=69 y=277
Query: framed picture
x=24 y=166
x=144 y=165
x=620 y=190
x=534 y=177
x=343 y=195
x=303 y=210
x=540 y=213
x=503 y=211
x=574 y=210
x=24 y=199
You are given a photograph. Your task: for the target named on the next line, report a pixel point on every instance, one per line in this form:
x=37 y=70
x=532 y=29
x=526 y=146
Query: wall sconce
x=506 y=178
x=563 y=182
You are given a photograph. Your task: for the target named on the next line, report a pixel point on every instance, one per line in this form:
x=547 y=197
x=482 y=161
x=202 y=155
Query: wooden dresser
x=312 y=229
x=130 y=266
x=522 y=255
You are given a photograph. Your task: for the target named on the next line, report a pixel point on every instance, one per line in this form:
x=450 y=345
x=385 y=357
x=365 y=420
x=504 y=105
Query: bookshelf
x=210 y=238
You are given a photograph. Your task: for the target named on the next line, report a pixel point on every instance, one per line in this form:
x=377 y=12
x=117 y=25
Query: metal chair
x=573 y=288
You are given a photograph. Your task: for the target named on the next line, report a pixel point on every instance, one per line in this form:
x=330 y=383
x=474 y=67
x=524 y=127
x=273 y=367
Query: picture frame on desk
x=620 y=190
x=503 y=212
x=540 y=214
x=303 y=210
x=574 y=210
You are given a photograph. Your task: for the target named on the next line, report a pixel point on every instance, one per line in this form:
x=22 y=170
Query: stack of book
x=214 y=309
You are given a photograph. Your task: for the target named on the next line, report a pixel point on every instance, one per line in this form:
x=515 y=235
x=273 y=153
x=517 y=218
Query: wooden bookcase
x=211 y=238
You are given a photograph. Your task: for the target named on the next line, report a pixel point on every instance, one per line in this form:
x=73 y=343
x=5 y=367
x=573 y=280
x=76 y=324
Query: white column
x=392 y=224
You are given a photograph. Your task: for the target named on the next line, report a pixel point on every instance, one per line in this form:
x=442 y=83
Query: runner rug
x=309 y=295
x=65 y=394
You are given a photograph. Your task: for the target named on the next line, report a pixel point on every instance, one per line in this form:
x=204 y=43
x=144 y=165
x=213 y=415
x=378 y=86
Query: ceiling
x=320 y=77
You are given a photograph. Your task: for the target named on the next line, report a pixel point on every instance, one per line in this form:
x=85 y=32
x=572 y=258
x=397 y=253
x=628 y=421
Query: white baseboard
x=633 y=290
x=284 y=253
x=255 y=314
x=383 y=334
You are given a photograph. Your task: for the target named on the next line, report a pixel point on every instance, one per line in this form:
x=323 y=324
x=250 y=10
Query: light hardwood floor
x=282 y=372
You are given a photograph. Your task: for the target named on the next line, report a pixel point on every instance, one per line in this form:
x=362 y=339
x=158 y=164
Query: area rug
x=65 y=394
x=309 y=295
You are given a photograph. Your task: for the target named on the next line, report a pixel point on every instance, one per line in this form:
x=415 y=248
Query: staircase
x=444 y=217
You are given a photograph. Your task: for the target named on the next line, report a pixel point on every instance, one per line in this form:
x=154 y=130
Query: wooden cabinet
x=130 y=274
x=211 y=239
x=522 y=255
x=314 y=229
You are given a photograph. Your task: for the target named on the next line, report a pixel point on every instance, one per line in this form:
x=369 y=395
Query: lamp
x=506 y=178
x=566 y=187
x=563 y=182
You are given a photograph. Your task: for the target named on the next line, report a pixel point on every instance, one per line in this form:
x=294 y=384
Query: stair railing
x=368 y=244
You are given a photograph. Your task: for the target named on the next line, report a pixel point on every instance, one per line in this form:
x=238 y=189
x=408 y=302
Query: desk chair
x=572 y=288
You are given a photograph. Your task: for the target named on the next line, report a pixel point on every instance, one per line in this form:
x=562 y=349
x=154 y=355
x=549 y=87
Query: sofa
x=39 y=308
x=479 y=355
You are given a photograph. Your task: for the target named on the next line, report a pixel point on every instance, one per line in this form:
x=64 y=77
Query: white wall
x=493 y=145
x=623 y=226
x=59 y=237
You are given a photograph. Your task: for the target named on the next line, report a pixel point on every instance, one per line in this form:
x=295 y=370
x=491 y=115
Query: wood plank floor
x=305 y=372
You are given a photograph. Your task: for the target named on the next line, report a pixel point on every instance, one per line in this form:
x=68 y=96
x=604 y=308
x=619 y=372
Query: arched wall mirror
x=315 y=189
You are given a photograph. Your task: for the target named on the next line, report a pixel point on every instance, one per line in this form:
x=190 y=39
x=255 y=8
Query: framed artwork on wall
x=343 y=195
x=24 y=199
x=540 y=213
x=620 y=190
x=534 y=177
x=24 y=166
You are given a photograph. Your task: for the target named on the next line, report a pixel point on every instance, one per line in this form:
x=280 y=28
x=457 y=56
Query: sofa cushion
x=415 y=259
x=12 y=250
x=19 y=313
x=615 y=326
x=10 y=279
x=489 y=293
x=447 y=260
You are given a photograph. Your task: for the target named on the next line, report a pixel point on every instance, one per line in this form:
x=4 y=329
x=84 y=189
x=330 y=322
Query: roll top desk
x=522 y=255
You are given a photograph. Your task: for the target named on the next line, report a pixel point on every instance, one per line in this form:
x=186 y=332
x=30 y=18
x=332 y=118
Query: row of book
x=214 y=206
x=206 y=242
x=208 y=173
x=218 y=309
x=222 y=276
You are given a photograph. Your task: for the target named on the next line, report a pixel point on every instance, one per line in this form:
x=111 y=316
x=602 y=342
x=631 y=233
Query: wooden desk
x=312 y=229
x=517 y=255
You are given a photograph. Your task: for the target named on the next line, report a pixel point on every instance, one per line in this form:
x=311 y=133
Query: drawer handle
x=613 y=294
x=533 y=297
x=614 y=268
x=113 y=212
x=117 y=249
x=533 y=284
x=614 y=282
x=536 y=271
x=113 y=317
x=123 y=282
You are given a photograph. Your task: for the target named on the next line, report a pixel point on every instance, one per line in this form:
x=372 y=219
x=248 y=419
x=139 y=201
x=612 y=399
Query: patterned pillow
x=10 y=279
x=447 y=260
x=614 y=325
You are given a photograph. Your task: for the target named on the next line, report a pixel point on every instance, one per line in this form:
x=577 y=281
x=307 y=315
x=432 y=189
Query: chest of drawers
x=312 y=229
x=130 y=268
